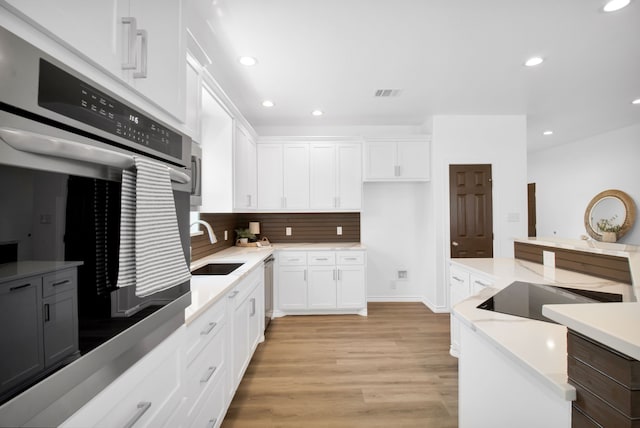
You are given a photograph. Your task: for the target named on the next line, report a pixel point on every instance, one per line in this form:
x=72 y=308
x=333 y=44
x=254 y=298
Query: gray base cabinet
x=40 y=317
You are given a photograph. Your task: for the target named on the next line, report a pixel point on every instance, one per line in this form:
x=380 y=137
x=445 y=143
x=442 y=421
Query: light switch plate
x=549 y=258
x=339 y=230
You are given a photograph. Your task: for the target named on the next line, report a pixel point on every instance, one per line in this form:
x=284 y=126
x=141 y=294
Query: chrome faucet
x=212 y=236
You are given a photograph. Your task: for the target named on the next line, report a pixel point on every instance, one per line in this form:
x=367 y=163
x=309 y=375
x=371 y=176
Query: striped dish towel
x=151 y=255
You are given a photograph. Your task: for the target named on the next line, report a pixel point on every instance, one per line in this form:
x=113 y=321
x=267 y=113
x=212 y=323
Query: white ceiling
x=447 y=57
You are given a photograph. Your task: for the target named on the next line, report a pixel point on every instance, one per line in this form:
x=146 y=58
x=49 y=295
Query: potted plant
x=609 y=229
x=244 y=235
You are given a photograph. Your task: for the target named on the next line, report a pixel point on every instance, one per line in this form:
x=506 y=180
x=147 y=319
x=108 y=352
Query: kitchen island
x=513 y=370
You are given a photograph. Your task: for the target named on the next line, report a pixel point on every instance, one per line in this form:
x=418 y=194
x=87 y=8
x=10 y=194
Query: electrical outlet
x=226 y=235
x=288 y=231
x=339 y=230
x=403 y=274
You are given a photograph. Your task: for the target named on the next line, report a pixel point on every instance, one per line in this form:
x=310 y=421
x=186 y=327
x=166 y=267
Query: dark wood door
x=531 y=208
x=471 y=214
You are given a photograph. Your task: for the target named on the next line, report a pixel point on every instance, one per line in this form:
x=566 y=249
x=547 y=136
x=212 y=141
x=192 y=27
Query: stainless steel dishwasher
x=268 y=291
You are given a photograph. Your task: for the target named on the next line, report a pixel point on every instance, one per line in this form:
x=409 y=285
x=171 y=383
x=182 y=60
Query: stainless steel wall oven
x=66 y=326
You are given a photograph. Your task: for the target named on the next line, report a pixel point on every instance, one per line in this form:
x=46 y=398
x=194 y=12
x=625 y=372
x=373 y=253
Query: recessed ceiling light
x=636 y=101
x=267 y=103
x=614 y=5
x=533 y=61
x=317 y=112
x=249 y=61
x=547 y=133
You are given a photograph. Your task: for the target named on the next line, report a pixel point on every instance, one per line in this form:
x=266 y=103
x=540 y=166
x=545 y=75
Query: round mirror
x=611 y=211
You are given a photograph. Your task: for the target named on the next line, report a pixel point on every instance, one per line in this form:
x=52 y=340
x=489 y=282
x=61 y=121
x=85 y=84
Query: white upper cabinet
x=193 y=99
x=283 y=176
x=335 y=176
x=244 y=167
x=400 y=159
x=140 y=42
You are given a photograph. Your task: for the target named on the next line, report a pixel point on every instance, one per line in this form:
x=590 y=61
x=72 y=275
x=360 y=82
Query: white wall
x=568 y=176
x=497 y=140
x=393 y=229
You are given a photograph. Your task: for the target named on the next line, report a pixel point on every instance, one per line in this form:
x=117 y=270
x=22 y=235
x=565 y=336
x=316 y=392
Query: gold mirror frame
x=629 y=207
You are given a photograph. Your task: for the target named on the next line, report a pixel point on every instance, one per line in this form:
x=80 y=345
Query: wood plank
x=390 y=369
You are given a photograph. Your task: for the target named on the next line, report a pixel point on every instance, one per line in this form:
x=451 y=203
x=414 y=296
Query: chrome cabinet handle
x=234 y=294
x=334 y=274
x=142 y=74
x=305 y=274
x=212 y=423
x=210 y=371
x=130 y=63
x=350 y=258
x=208 y=329
x=482 y=284
x=55 y=284
x=248 y=200
x=396 y=170
x=253 y=306
x=339 y=275
x=142 y=409
x=457 y=279
x=322 y=258
x=47 y=314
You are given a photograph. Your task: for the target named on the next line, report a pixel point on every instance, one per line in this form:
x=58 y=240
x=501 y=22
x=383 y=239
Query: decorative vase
x=609 y=237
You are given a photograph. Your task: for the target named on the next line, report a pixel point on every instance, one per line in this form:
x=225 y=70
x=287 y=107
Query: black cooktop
x=525 y=299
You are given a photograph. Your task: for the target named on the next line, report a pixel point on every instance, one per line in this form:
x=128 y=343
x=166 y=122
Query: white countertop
x=208 y=289
x=612 y=324
x=538 y=347
x=18 y=270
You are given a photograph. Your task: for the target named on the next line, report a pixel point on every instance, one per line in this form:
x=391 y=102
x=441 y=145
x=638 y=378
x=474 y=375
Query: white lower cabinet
x=321 y=282
x=463 y=283
x=146 y=395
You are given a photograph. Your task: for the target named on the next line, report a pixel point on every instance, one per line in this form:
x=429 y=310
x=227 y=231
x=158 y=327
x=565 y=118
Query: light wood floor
x=390 y=369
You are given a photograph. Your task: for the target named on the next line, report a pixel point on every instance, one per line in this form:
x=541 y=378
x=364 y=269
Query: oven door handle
x=31 y=142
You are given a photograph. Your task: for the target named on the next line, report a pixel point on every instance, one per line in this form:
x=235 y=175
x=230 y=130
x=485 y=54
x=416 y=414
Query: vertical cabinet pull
x=212 y=423
x=210 y=371
x=334 y=274
x=130 y=63
x=253 y=307
x=142 y=409
x=248 y=200
x=338 y=274
x=305 y=274
x=47 y=314
x=143 y=55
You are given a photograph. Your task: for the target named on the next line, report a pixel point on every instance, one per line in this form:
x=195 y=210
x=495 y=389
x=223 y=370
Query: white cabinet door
x=244 y=171
x=322 y=176
x=351 y=287
x=292 y=287
x=322 y=287
x=380 y=160
x=240 y=339
x=270 y=176
x=164 y=81
x=296 y=175
x=349 y=176
x=413 y=160
x=90 y=27
x=95 y=29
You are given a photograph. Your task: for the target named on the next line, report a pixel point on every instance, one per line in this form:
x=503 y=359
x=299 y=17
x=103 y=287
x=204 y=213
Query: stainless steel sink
x=217 y=269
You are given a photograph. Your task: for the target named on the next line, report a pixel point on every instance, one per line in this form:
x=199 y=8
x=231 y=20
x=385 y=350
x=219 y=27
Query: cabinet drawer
x=623 y=399
x=479 y=283
x=145 y=395
x=601 y=412
x=208 y=367
x=211 y=413
x=292 y=258
x=458 y=276
x=321 y=258
x=59 y=281
x=621 y=368
x=246 y=287
x=204 y=328
x=350 y=257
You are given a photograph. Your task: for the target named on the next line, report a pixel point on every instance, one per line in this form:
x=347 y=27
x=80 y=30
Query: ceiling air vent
x=387 y=92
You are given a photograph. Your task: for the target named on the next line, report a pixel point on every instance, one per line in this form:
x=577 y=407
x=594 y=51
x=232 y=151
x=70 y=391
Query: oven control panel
x=69 y=96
